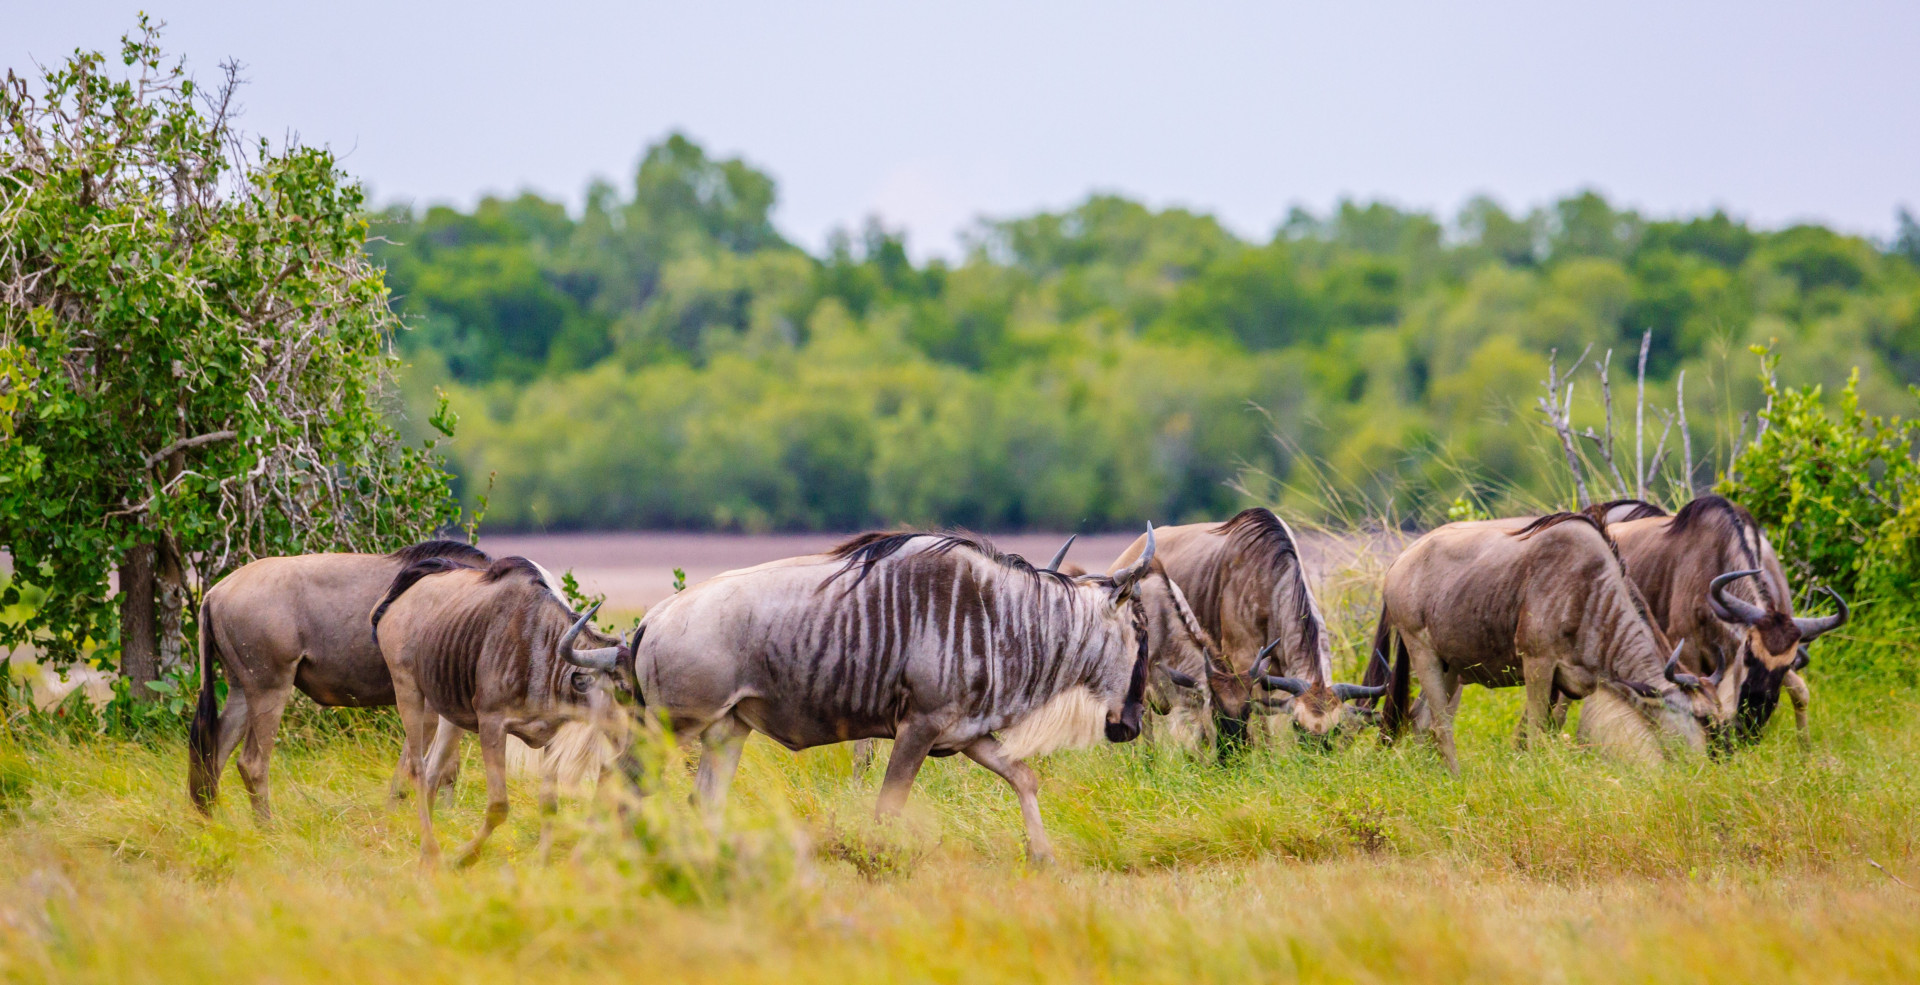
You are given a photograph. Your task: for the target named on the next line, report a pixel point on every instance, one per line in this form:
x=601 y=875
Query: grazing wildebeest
x=489 y=650
x=285 y=622
x=938 y=642
x=1248 y=589
x=1710 y=577
x=1545 y=604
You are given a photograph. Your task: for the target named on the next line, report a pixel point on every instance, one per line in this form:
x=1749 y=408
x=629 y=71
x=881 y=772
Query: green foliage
x=192 y=348
x=666 y=359
x=1839 y=494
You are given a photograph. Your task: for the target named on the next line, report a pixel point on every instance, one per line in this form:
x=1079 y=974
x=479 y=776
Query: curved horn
x=1258 y=671
x=600 y=658
x=1061 y=555
x=1348 y=692
x=1811 y=629
x=1676 y=675
x=1292 y=685
x=1133 y=572
x=1726 y=607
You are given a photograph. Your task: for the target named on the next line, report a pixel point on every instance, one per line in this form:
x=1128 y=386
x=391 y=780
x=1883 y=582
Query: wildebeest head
x=606 y=668
x=1122 y=590
x=1773 y=638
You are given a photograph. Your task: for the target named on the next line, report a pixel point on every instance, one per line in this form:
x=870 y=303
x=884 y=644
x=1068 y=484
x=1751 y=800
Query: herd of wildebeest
x=1677 y=631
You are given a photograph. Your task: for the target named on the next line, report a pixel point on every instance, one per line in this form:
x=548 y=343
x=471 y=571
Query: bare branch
x=1640 y=421
x=1686 y=437
x=185 y=443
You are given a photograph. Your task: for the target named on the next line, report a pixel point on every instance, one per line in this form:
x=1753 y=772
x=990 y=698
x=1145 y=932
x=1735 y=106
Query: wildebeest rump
x=284 y=622
x=1746 y=625
x=936 y=641
x=487 y=649
x=1248 y=588
x=1543 y=603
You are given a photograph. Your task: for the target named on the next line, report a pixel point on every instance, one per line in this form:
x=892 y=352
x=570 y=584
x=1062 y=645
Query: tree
x=194 y=359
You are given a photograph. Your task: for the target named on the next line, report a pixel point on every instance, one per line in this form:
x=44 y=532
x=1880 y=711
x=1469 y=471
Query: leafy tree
x=195 y=358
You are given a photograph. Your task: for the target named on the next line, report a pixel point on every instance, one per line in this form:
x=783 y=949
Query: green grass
x=1364 y=864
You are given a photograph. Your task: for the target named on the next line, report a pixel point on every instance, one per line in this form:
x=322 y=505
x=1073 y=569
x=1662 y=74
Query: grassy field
x=1364 y=864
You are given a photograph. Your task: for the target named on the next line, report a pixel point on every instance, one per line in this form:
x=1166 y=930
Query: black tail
x=203 y=739
x=1380 y=662
x=1394 y=714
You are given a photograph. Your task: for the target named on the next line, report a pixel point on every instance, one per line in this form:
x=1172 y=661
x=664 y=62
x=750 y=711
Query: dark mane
x=1732 y=519
x=1262 y=535
x=407 y=578
x=453 y=549
x=1641 y=509
x=512 y=566
x=1552 y=520
x=869 y=549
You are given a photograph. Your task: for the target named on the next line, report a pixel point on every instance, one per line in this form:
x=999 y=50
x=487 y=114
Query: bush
x=1839 y=494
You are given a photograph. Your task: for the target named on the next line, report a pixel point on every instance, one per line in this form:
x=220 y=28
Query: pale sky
x=930 y=115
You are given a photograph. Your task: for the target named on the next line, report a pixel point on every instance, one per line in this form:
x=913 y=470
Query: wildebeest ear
x=1800 y=658
x=1182 y=680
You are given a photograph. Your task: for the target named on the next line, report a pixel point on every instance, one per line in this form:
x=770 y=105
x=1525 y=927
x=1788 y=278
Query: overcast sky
x=930 y=115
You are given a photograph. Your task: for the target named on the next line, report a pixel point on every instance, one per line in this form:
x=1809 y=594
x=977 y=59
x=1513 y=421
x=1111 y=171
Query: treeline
x=665 y=358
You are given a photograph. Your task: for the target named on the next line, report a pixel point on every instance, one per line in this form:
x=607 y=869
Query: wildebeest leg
x=1557 y=719
x=910 y=748
x=493 y=751
x=423 y=790
x=232 y=728
x=263 y=723
x=1796 y=688
x=720 y=746
x=549 y=806
x=1537 y=718
x=416 y=724
x=863 y=756
x=1026 y=786
x=1440 y=689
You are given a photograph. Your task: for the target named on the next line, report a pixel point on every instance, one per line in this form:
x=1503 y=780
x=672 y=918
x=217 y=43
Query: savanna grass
x=1358 y=864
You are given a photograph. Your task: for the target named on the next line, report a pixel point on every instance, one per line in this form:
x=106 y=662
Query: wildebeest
x=284 y=622
x=1710 y=577
x=489 y=650
x=1248 y=588
x=1545 y=604
x=936 y=641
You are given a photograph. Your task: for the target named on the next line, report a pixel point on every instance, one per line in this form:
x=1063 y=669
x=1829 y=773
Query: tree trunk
x=139 y=631
x=171 y=587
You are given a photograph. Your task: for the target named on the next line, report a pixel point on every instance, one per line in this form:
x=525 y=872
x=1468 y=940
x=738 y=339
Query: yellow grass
x=1363 y=864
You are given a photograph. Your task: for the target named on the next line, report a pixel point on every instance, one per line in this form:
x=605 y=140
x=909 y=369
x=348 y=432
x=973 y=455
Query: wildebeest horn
x=1678 y=676
x=1133 y=572
x=1728 y=608
x=1260 y=661
x=1054 y=565
x=1292 y=685
x=1810 y=629
x=599 y=658
x=1348 y=692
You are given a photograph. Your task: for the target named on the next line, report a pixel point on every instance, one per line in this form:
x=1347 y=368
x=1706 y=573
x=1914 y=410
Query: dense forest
x=664 y=357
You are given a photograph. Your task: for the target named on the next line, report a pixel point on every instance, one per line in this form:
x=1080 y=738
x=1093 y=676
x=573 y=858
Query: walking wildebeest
x=1710 y=577
x=1248 y=589
x=938 y=642
x=1546 y=604
x=285 y=622
x=491 y=651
